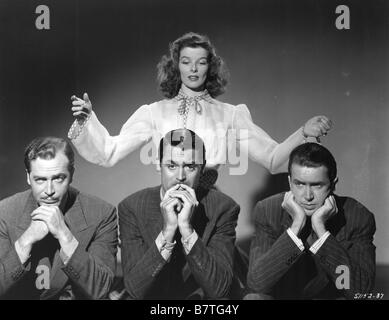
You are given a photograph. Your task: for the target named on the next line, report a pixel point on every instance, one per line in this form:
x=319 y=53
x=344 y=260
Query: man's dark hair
x=313 y=155
x=184 y=139
x=46 y=148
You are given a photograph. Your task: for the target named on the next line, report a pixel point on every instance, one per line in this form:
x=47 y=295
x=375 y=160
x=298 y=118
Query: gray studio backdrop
x=287 y=62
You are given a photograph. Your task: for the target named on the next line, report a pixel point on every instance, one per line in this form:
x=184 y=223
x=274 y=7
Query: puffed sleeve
x=259 y=146
x=96 y=145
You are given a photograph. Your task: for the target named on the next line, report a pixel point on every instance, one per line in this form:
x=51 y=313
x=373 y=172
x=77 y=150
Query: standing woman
x=190 y=77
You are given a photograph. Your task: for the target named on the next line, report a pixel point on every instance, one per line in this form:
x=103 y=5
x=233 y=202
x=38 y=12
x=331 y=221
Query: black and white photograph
x=194 y=150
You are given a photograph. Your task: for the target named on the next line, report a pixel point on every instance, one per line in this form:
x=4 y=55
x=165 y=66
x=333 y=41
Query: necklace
x=190 y=102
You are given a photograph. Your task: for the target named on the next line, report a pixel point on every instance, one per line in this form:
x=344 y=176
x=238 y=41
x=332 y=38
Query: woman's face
x=193 y=66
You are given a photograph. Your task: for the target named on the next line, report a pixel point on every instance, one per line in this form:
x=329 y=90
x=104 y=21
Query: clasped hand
x=177 y=206
x=318 y=218
x=46 y=219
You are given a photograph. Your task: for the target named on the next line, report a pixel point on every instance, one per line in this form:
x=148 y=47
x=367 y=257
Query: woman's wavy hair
x=169 y=75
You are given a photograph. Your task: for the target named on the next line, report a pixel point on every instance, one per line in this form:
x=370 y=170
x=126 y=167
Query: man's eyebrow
x=314 y=183
x=38 y=177
x=190 y=163
x=59 y=175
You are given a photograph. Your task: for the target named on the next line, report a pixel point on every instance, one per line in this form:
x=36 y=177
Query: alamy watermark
x=224 y=147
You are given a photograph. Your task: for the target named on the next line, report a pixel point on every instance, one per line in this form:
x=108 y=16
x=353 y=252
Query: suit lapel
x=25 y=218
x=203 y=209
x=336 y=223
x=152 y=212
x=209 y=226
x=286 y=220
x=336 y=227
x=319 y=281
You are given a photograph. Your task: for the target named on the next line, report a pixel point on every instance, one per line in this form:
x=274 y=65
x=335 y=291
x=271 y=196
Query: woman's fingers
x=86 y=98
x=77 y=108
x=325 y=122
x=78 y=102
x=80 y=114
x=81 y=108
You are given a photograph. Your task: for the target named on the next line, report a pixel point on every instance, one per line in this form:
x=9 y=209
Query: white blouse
x=214 y=125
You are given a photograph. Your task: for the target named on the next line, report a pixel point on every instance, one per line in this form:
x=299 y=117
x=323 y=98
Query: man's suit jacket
x=278 y=268
x=90 y=271
x=208 y=268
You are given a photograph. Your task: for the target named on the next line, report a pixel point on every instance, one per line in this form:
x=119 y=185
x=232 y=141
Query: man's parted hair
x=184 y=139
x=46 y=148
x=313 y=155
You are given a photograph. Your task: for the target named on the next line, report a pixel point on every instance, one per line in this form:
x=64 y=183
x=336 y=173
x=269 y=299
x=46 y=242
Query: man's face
x=50 y=180
x=310 y=186
x=180 y=167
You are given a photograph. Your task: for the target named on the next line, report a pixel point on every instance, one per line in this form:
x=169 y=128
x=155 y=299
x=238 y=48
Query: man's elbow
x=103 y=290
x=257 y=284
x=221 y=289
x=132 y=292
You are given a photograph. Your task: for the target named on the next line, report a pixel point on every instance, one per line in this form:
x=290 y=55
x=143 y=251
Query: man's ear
x=203 y=167
x=333 y=184
x=290 y=184
x=71 y=177
x=28 y=178
x=159 y=168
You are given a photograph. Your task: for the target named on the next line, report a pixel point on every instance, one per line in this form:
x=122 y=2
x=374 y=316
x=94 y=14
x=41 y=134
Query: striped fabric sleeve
x=354 y=258
x=164 y=247
x=295 y=239
x=319 y=242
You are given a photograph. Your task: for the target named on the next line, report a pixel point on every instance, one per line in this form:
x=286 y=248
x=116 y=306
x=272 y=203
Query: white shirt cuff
x=22 y=254
x=165 y=248
x=189 y=242
x=295 y=239
x=67 y=250
x=319 y=242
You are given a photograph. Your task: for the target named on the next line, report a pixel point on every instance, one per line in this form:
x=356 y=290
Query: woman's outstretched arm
x=261 y=148
x=94 y=143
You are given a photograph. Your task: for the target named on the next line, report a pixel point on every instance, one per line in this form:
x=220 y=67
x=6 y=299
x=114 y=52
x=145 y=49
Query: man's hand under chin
x=295 y=211
x=322 y=215
x=54 y=219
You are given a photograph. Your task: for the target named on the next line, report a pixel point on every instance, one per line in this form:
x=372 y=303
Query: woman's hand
x=81 y=108
x=317 y=126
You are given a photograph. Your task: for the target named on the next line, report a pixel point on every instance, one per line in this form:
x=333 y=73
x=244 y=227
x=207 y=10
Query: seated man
x=310 y=243
x=178 y=239
x=55 y=242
